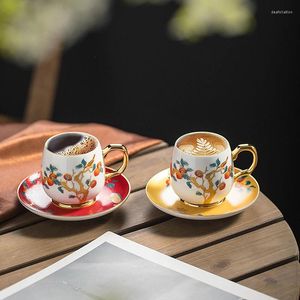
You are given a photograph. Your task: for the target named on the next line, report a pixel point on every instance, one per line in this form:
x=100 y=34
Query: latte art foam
x=85 y=145
x=202 y=144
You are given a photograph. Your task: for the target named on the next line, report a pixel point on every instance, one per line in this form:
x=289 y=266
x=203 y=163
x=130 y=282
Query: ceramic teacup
x=73 y=168
x=202 y=169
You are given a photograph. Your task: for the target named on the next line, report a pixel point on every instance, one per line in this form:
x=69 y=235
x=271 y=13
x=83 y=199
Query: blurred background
x=161 y=69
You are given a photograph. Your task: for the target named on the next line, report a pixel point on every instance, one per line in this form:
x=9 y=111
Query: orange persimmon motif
x=78 y=183
x=207 y=181
x=199 y=173
x=97 y=172
x=52 y=176
x=50 y=181
x=222 y=186
x=227 y=175
x=93 y=183
x=68 y=177
x=182 y=170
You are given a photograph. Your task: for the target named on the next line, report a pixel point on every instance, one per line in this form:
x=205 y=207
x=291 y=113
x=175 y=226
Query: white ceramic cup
x=206 y=180
x=73 y=181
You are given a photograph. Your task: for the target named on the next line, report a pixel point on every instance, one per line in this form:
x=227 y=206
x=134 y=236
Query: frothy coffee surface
x=72 y=144
x=203 y=144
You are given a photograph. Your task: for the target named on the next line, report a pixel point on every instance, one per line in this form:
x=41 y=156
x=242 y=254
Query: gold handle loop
x=115 y=147
x=243 y=148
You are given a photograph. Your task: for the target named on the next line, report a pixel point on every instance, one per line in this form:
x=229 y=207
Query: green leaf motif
x=57 y=182
x=72 y=196
x=83 y=162
x=79 y=166
x=252 y=186
x=52 y=168
x=189 y=184
x=218 y=162
x=198 y=193
x=58 y=174
x=111 y=185
x=177 y=161
x=184 y=163
x=45 y=173
x=47 y=169
x=87 y=182
x=213 y=165
x=173 y=177
x=94 y=167
x=225 y=170
x=217 y=182
x=186 y=176
x=46 y=186
x=60 y=189
x=248 y=182
x=189 y=169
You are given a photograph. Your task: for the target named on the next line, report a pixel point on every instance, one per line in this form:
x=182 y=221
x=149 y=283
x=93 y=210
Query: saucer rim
x=200 y=217
x=72 y=218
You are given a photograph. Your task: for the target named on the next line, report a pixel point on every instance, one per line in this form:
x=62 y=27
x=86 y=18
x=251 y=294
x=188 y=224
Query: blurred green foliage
x=29 y=29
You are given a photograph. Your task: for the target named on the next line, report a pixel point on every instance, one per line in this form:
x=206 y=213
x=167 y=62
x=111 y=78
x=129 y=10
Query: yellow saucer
x=242 y=195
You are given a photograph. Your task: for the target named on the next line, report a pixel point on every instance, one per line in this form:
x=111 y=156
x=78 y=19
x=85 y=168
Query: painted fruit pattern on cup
x=242 y=182
x=207 y=182
x=78 y=183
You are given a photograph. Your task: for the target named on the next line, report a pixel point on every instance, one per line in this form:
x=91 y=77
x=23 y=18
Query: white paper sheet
x=112 y=267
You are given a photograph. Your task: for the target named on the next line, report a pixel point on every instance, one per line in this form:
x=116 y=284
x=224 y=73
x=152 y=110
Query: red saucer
x=33 y=197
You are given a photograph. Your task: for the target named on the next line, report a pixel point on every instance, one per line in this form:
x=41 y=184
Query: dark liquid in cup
x=72 y=144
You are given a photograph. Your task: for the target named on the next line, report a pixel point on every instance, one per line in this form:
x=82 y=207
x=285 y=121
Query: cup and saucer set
x=201 y=183
x=74 y=183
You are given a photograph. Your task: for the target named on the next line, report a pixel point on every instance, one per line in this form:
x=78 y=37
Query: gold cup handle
x=116 y=147
x=243 y=148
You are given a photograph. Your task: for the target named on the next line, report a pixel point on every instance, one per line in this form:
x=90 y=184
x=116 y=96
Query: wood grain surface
x=137 y=180
x=255 y=248
x=281 y=282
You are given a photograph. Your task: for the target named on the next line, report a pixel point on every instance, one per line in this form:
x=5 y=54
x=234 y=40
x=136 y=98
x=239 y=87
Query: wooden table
x=255 y=248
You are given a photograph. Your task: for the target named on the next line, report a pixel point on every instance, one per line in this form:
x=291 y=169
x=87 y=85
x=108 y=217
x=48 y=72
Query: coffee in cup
x=73 y=168
x=202 y=144
x=72 y=144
